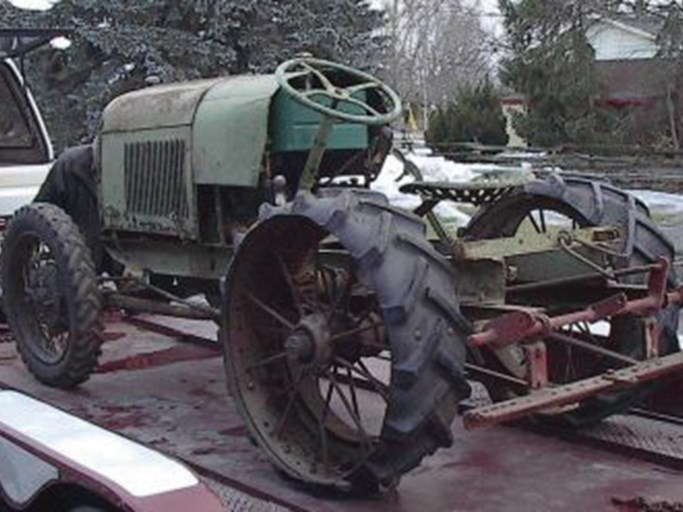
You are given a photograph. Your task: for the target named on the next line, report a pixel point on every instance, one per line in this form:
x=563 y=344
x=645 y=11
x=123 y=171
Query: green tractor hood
x=161 y=145
x=224 y=123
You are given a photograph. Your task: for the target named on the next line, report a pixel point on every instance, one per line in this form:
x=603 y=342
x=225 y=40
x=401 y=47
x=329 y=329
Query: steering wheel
x=318 y=68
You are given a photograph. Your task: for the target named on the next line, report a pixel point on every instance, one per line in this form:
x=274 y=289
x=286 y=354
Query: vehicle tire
x=592 y=203
x=51 y=296
x=392 y=270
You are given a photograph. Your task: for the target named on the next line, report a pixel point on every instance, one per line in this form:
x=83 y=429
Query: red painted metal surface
x=182 y=408
x=540 y=399
x=525 y=326
x=537 y=358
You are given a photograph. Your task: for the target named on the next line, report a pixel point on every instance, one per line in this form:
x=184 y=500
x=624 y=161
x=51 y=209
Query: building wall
x=614 y=43
x=509 y=108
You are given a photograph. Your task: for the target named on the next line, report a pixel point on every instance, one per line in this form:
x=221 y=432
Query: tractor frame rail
x=555 y=396
x=528 y=328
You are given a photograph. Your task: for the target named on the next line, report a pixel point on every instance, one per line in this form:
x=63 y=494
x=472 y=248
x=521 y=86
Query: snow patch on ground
x=434 y=168
x=661 y=203
x=666 y=209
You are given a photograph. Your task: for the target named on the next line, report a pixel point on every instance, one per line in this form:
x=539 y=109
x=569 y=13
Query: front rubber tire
x=76 y=279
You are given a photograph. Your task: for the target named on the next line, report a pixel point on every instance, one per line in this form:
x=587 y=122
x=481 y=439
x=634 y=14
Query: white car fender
x=41 y=445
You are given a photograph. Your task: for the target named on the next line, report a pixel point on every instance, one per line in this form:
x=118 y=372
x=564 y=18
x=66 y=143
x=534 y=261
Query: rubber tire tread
x=77 y=270
x=600 y=204
x=427 y=336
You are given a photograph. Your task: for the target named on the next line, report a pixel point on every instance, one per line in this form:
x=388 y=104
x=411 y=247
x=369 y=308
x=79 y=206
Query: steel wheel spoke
x=346 y=292
x=349 y=409
x=296 y=295
x=274 y=314
x=356 y=330
x=534 y=223
x=290 y=402
x=377 y=385
x=321 y=426
x=268 y=360
x=326 y=287
x=352 y=387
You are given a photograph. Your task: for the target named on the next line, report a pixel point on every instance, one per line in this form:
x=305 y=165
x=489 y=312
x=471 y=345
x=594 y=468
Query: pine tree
x=552 y=64
x=473 y=115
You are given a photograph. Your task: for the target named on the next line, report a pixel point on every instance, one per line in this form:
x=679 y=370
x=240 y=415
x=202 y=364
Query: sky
x=489 y=8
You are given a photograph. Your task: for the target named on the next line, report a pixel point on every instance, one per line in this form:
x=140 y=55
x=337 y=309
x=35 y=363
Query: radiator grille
x=154 y=174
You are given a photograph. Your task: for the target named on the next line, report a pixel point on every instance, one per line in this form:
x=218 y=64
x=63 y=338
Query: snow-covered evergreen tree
x=119 y=44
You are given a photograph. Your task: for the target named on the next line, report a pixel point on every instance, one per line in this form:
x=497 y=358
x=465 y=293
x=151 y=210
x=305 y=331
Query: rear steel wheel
x=51 y=297
x=574 y=203
x=344 y=344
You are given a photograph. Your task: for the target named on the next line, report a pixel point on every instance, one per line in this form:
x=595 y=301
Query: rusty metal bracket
x=570 y=393
x=537 y=367
x=524 y=326
x=651 y=337
x=657 y=296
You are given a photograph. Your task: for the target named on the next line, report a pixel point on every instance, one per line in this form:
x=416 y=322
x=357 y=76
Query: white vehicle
x=25 y=149
x=53 y=461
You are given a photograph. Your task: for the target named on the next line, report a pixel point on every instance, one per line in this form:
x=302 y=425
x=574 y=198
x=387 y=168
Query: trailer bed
x=165 y=388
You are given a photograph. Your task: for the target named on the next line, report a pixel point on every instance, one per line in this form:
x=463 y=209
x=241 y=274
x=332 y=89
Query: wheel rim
x=44 y=317
x=307 y=357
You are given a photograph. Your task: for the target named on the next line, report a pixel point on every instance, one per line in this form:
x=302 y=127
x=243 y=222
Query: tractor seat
x=474 y=192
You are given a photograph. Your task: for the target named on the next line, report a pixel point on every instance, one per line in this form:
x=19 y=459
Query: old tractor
x=350 y=337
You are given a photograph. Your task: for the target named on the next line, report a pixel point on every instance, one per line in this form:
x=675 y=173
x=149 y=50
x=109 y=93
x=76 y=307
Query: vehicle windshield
x=14 y=131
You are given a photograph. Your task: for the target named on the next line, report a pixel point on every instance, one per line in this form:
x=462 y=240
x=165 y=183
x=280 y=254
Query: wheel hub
x=310 y=343
x=42 y=291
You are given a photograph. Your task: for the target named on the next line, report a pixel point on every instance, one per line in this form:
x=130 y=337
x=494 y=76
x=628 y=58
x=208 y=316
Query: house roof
x=644 y=24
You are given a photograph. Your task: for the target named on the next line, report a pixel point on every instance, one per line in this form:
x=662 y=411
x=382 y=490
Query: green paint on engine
x=294 y=127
